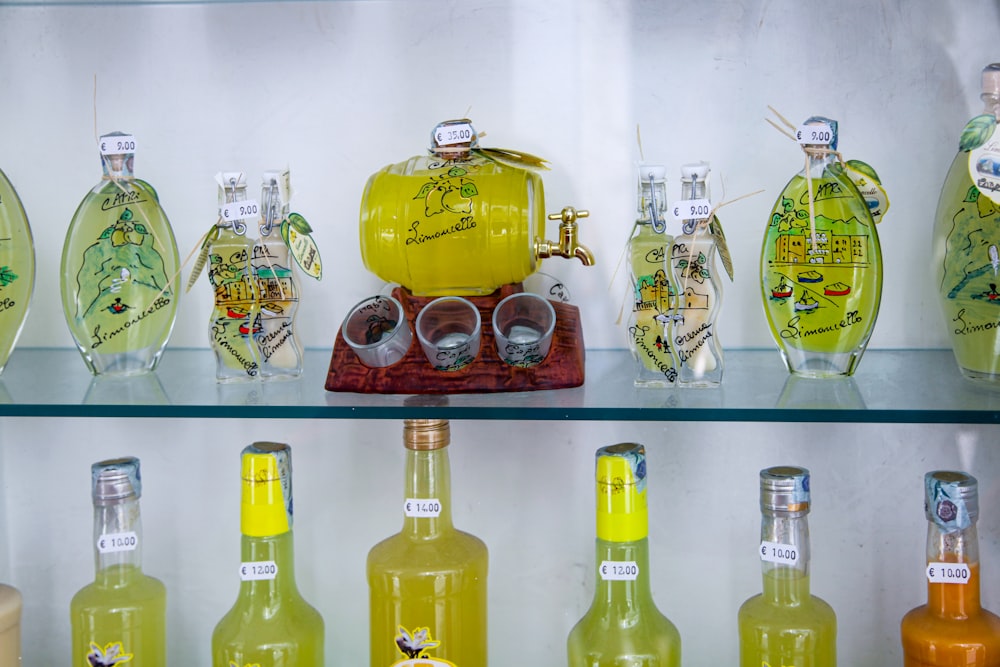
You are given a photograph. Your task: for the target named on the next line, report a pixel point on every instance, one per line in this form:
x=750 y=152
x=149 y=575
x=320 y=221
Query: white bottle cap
x=696 y=171
x=655 y=171
x=991 y=79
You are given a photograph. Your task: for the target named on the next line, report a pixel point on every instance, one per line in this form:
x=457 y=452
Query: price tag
x=819 y=133
x=259 y=571
x=240 y=210
x=422 y=508
x=691 y=209
x=948 y=573
x=116 y=144
x=447 y=135
x=773 y=552
x=619 y=570
x=115 y=542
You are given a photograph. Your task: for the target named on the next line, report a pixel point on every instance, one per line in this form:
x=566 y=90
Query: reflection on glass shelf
x=890 y=386
x=86 y=3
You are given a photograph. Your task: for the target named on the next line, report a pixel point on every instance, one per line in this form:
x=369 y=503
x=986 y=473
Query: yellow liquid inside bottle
x=427 y=584
x=122 y=612
x=236 y=313
x=463 y=226
x=821 y=302
x=785 y=626
x=17 y=268
x=119 y=270
x=649 y=337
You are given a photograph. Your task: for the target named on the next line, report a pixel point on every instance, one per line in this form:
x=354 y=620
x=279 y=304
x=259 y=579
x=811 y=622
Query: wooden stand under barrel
x=413 y=374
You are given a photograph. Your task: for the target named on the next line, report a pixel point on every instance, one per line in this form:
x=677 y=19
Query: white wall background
x=336 y=90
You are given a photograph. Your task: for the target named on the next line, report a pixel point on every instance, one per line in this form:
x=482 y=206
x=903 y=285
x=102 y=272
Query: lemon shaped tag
x=295 y=231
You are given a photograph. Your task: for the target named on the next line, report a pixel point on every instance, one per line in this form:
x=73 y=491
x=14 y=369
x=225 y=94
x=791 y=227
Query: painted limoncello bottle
x=427 y=583
x=17 y=268
x=623 y=625
x=695 y=336
x=966 y=249
x=952 y=629
x=119 y=267
x=821 y=262
x=270 y=624
x=786 y=624
x=462 y=219
x=120 y=618
x=236 y=316
x=651 y=290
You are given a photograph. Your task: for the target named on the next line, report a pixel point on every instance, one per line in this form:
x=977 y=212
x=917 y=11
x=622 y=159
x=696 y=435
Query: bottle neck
x=428 y=482
x=622 y=577
x=271 y=585
x=991 y=104
x=785 y=557
x=954 y=600
x=652 y=203
x=117 y=541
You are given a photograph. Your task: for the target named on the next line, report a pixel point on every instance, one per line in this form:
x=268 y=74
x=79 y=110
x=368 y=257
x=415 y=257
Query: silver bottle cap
x=784 y=489
x=115 y=480
x=951 y=499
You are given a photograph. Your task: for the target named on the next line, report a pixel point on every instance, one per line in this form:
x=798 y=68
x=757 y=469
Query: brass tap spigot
x=567 y=246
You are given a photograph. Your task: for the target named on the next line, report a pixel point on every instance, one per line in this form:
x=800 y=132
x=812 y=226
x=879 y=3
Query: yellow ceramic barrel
x=456 y=221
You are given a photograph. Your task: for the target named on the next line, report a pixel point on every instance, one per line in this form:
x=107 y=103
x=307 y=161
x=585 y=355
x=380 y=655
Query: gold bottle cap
x=426 y=434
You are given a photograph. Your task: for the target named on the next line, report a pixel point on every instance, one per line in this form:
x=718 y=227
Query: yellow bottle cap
x=266 y=507
x=622 y=512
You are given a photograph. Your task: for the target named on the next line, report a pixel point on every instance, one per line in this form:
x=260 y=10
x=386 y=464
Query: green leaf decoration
x=715 y=227
x=701 y=258
x=425 y=190
x=977 y=131
x=864 y=168
x=106 y=234
x=787 y=204
x=215 y=259
x=469 y=190
x=457 y=171
x=6 y=276
x=704 y=273
x=141 y=228
x=682 y=264
x=802 y=214
x=972 y=195
x=775 y=219
x=126 y=215
x=299 y=223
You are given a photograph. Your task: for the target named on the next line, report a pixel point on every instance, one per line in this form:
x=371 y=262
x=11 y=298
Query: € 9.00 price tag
x=114 y=542
x=116 y=144
x=261 y=570
x=691 y=209
x=819 y=133
x=240 y=210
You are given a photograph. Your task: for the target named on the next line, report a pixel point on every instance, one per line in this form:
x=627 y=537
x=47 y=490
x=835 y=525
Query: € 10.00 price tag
x=114 y=542
x=948 y=573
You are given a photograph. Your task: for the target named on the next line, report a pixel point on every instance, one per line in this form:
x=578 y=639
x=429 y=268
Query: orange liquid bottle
x=952 y=629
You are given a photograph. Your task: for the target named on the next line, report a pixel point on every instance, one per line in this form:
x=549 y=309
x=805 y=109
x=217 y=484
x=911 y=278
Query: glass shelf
x=891 y=386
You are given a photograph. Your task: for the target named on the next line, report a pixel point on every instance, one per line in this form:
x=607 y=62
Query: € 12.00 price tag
x=618 y=570
x=261 y=570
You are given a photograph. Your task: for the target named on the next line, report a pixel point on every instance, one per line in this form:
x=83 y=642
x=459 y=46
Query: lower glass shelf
x=891 y=386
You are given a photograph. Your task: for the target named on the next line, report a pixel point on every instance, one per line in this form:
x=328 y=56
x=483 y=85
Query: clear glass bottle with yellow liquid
x=121 y=616
x=17 y=268
x=623 y=625
x=270 y=624
x=785 y=625
x=952 y=629
x=427 y=583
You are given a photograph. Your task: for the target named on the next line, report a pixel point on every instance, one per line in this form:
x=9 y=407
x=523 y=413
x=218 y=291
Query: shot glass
x=522 y=326
x=449 y=330
x=377 y=331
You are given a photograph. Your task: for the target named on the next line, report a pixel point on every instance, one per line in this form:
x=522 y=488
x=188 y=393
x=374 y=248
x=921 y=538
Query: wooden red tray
x=413 y=374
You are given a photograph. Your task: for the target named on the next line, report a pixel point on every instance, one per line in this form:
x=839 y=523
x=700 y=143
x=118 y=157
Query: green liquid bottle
x=119 y=264
x=236 y=316
x=270 y=625
x=786 y=625
x=427 y=583
x=121 y=616
x=966 y=251
x=17 y=268
x=821 y=265
x=653 y=297
x=623 y=625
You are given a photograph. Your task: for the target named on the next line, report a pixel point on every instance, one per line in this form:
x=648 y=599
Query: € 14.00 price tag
x=114 y=542
x=947 y=573
x=618 y=570
x=422 y=508
x=773 y=552
x=261 y=570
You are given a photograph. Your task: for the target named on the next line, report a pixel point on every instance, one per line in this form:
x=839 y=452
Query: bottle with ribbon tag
x=270 y=624
x=786 y=624
x=119 y=268
x=653 y=296
x=462 y=220
x=966 y=247
x=623 y=625
x=121 y=616
x=17 y=268
x=427 y=583
x=821 y=262
x=952 y=628
x=236 y=315
x=695 y=336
